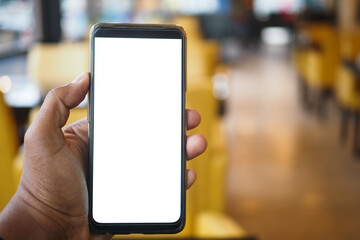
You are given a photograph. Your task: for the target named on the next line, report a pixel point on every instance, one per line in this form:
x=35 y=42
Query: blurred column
x=47 y=17
x=347 y=14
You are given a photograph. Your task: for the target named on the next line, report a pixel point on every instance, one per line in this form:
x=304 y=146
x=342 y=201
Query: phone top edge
x=138 y=27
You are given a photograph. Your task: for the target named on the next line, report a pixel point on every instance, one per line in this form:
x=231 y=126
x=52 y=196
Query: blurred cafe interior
x=277 y=84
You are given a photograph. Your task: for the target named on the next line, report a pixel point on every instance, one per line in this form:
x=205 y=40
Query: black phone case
x=147 y=31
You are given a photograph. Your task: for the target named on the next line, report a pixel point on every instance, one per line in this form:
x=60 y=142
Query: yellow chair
x=212 y=225
x=348 y=98
x=8 y=149
x=348 y=86
x=346 y=82
x=347 y=89
x=52 y=65
x=317 y=63
x=202 y=55
x=326 y=38
x=349 y=45
x=191 y=26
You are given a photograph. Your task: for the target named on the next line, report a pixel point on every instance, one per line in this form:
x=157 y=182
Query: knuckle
x=53 y=93
x=27 y=136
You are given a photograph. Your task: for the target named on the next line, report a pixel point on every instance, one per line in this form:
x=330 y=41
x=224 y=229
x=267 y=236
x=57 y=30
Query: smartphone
x=136 y=177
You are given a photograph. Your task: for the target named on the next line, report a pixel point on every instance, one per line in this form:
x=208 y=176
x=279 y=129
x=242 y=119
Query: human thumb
x=55 y=110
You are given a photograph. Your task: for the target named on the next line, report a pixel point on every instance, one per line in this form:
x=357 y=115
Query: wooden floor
x=288 y=176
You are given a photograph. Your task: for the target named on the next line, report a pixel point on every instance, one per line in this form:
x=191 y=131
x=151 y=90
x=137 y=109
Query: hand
x=52 y=198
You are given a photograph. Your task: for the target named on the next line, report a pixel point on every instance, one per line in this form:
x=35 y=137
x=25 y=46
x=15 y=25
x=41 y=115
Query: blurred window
x=74 y=20
x=117 y=11
x=16 y=26
x=126 y=11
x=194 y=7
x=276 y=36
x=264 y=8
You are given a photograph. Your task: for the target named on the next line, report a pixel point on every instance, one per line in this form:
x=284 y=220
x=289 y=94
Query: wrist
x=25 y=216
x=18 y=220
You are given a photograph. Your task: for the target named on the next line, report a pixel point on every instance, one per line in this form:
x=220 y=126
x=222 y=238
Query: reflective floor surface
x=288 y=175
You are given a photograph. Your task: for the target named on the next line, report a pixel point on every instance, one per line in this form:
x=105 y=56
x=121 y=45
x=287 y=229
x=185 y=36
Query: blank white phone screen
x=137 y=130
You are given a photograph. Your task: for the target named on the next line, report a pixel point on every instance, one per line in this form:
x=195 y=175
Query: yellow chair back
x=52 y=65
x=321 y=64
x=350 y=45
x=8 y=149
x=347 y=89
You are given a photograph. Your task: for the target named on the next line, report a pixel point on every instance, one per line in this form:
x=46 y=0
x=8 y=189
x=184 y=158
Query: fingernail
x=78 y=78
